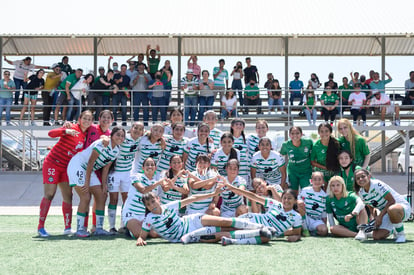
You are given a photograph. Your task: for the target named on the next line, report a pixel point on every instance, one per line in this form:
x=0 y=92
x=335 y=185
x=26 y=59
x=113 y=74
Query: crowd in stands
x=149 y=85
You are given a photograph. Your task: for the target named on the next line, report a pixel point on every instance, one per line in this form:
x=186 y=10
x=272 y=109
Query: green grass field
x=22 y=252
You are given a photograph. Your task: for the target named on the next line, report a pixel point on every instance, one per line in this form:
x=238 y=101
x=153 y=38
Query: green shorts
x=351 y=225
x=298 y=179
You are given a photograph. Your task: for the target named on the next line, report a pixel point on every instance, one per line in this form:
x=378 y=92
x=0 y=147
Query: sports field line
x=34 y=210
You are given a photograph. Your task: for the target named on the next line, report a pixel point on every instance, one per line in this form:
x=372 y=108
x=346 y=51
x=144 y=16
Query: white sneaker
x=382 y=123
x=400 y=238
x=67 y=231
x=361 y=236
x=226 y=241
x=189 y=238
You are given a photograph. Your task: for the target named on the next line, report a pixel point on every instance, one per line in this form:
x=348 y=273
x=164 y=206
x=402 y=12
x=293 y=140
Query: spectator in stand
x=331 y=82
x=250 y=72
x=269 y=85
x=378 y=84
x=344 y=91
x=79 y=90
x=189 y=85
x=64 y=66
x=22 y=68
x=115 y=66
x=131 y=69
x=51 y=84
x=236 y=84
x=153 y=62
x=354 y=78
x=121 y=80
x=158 y=99
x=220 y=74
x=329 y=102
x=229 y=105
x=277 y=96
x=64 y=95
x=357 y=100
x=295 y=89
x=192 y=64
x=166 y=77
x=371 y=77
x=309 y=103
x=136 y=63
x=314 y=81
x=206 y=98
x=381 y=103
x=7 y=87
x=409 y=89
x=100 y=97
x=252 y=97
x=139 y=83
x=365 y=87
x=34 y=86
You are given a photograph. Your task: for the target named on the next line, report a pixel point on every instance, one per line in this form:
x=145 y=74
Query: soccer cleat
x=400 y=238
x=42 y=233
x=67 y=231
x=368 y=227
x=82 y=233
x=266 y=233
x=226 y=241
x=113 y=231
x=189 y=238
x=361 y=236
x=305 y=233
x=273 y=231
x=102 y=232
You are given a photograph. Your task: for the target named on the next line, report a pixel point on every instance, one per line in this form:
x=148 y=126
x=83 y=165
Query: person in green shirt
x=252 y=97
x=153 y=61
x=347 y=208
x=329 y=102
x=352 y=141
x=345 y=91
x=298 y=150
x=309 y=108
x=347 y=169
x=324 y=156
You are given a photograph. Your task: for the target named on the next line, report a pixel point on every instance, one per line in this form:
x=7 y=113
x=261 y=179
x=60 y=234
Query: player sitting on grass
x=164 y=219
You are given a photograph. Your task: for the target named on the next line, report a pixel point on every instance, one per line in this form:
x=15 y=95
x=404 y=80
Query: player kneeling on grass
x=313 y=202
x=281 y=217
x=394 y=209
x=164 y=219
x=347 y=208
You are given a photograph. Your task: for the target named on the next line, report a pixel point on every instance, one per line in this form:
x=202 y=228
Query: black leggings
x=329 y=114
x=356 y=112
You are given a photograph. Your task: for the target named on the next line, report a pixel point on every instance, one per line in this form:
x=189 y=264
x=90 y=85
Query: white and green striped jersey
x=216 y=134
x=134 y=202
x=252 y=142
x=220 y=159
x=193 y=149
x=106 y=154
x=173 y=147
x=244 y=161
x=171 y=195
x=168 y=224
x=375 y=196
x=268 y=169
x=277 y=218
x=125 y=159
x=146 y=149
x=230 y=200
x=202 y=206
x=189 y=132
x=315 y=202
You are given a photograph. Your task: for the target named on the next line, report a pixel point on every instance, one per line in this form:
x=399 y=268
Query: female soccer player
x=353 y=142
x=347 y=169
x=347 y=208
x=232 y=205
x=253 y=139
x=133 y=212
x=224 y=154
x=210 y=117
x=177 y=116
x=298 y=151
x=261 y=188
x=196 y=146
x=119 y=179
x=314 y=199
x=268 y=164
x=86 y=183
x=237 y=129
x=202 y=181
x=394 y=209
x=54 y=169
x=325 y=150
x=174 y=145
x=95 y=132
x=176 y=185
x=150 y=145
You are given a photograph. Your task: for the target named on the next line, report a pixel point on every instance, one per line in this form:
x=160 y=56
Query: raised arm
x=251 y=196
x=200 y=197
x=147 y=189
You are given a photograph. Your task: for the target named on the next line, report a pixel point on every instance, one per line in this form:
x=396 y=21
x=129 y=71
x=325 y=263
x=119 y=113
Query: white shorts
x=386 y=222
x=193 y=211
x=312 y=224
x=119 y=181
x=77 y=175
x=127 y=216
x=194 y=221
x=228 y=213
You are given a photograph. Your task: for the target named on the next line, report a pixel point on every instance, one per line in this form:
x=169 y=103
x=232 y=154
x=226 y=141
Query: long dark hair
x=170 y=173
x=293 y=193
x=356 y=186
x=331 y=160
x=203 y=124
x=233 y=152
x=147 y=197
x=234 y=121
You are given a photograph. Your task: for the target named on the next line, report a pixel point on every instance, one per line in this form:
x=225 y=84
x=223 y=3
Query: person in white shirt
x=357 y=100
x=381 y=103
x=229 y=105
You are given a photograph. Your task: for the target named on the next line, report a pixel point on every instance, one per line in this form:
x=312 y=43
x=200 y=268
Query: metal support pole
x=383 y=57
x=383 y=160
x=95 y=55
x=179 y=48
x=287 y=82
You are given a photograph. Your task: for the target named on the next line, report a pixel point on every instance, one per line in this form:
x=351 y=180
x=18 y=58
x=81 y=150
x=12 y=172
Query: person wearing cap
x=22 y=69
x=64 y=65
x=153 y=62
x=139 y=85
x=331 y=82
x=220 y=75
x=189 y=85
x=296 y=89
x=51 y=84
x=381 y=103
